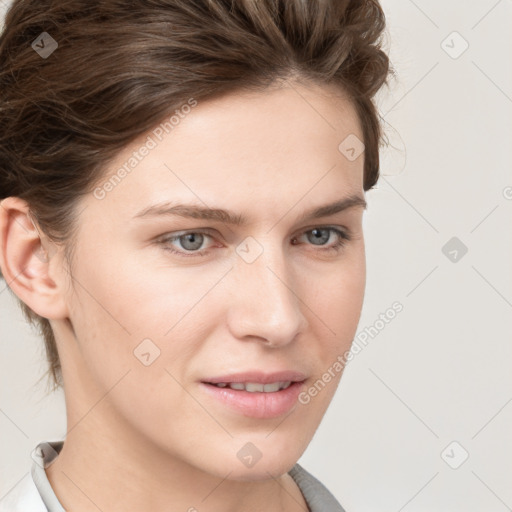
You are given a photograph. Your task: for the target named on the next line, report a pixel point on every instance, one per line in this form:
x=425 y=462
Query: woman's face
x=268 y=300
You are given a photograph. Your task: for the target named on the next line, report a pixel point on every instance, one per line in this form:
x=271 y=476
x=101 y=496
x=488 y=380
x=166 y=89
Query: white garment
x=33 y=493
x=24 y=497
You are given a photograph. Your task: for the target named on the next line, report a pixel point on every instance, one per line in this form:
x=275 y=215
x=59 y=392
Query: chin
x=261 y=457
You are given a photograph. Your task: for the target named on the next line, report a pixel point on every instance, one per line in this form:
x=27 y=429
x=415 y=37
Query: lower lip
x=258 y=404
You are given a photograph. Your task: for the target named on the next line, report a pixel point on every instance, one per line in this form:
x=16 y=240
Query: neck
x=101 y=468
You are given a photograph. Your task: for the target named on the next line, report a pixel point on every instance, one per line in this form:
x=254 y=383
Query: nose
x=267 y=303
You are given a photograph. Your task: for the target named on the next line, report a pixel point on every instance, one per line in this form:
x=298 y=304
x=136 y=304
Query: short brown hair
x=121 y=67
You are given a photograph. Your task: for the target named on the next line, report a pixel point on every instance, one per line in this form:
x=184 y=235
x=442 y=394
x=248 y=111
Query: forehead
x=245 y=149
x=278 y=114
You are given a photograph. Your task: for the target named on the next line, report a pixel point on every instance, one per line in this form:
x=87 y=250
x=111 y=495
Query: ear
x=25 y=262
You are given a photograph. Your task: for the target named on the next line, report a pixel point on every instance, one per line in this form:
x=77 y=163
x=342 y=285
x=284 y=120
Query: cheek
x=340 y=299
x=118 y=320
x=335 y=317
x=126 y=310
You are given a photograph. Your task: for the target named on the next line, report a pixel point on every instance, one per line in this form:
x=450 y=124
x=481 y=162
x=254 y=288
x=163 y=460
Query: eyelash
x=344 y=237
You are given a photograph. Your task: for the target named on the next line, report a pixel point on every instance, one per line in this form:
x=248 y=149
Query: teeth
x=261 y=387
x=253 y=387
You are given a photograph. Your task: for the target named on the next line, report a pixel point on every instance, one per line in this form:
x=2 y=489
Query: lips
x=256 y=394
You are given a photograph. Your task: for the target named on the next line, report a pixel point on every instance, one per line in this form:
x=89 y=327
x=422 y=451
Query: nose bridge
x=267 y=304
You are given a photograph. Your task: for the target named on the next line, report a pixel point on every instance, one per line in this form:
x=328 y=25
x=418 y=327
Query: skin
x=147 y=437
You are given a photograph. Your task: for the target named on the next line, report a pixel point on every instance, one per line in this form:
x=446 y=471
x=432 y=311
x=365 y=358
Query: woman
x=182 y=191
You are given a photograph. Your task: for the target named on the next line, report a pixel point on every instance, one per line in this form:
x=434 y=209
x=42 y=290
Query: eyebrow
x=194 y=211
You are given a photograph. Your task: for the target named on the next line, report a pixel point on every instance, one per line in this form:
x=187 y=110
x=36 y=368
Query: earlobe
x=24 y=261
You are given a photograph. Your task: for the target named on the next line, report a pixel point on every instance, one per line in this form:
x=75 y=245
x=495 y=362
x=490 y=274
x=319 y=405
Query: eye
x=323 y=234
x=191 y=241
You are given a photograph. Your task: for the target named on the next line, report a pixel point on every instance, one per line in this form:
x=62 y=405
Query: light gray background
x=440 y=371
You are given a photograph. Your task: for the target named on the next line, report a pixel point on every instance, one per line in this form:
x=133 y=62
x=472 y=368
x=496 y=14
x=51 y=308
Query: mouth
x=254 y=387
x=256 y=394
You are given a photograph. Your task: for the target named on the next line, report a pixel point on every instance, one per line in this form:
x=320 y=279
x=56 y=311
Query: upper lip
x=258 y=377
